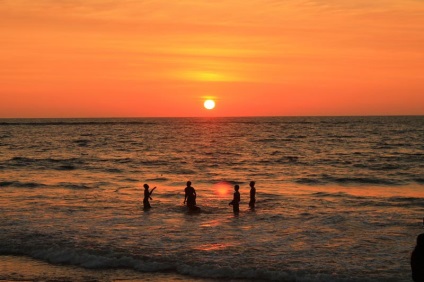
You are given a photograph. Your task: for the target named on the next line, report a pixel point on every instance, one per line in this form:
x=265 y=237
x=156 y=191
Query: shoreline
x=23 y=268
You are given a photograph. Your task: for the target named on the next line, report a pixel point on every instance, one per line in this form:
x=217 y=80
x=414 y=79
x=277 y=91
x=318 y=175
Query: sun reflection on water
x=222 y=189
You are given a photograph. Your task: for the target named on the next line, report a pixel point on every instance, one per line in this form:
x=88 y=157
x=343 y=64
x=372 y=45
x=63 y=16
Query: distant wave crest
x=327 y=179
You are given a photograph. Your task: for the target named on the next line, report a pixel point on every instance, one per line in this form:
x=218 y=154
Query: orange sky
x=102 y=58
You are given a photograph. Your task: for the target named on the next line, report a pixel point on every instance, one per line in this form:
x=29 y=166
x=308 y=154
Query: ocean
x=338 y=198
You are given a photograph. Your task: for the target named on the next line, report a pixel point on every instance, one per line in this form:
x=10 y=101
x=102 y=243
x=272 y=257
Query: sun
x=209 y=104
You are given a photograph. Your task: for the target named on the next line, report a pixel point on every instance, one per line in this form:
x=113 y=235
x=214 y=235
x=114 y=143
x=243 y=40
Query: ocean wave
x=294 y=136
x=79 y=186
x=25 y=160
x=19 y=184
x=266 y=140
x=334 y=220
x=66 y=167
x=157 y=179
x=123 y=161
x=113 y=170
x=310 y=181
x=82 y=142
x=335 y=195
x=362 y=180
x=91 y=260
x=131 y=179
x=66 y=185
x=362 y=201
x=419 y=180
x=287 y=159
x=326 y=179
x=73 y=122
x=45 y=163
x=382 y=167
x=21 y=160
x=184 y=171
x=406 y=202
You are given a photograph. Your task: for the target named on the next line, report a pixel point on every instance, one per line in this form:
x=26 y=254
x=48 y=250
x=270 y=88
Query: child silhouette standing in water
x=252 y=195
x=190 y=196
x=147 y=196
x=236 y=199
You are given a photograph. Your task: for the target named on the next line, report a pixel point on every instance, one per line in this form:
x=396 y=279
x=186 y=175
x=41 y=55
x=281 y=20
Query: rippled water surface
x=338 y=199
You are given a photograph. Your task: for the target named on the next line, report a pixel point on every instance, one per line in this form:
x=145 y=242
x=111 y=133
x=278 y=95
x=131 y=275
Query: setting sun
x=209 y=104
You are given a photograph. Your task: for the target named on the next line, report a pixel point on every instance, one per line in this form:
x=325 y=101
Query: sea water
x=338 y=198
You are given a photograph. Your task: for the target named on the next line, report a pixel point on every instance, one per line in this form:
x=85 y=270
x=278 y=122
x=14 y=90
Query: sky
x=161 y=58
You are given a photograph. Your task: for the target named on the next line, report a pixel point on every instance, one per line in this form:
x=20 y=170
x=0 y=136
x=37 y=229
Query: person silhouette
x=236 y=199
x=252 y=195
x=417 y=260
x=147 y=196
x=190 y=196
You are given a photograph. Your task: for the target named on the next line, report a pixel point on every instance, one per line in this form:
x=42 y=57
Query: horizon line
x=259 y=116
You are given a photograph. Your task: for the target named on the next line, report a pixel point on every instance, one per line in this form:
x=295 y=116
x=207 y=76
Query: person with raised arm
x=147 y=196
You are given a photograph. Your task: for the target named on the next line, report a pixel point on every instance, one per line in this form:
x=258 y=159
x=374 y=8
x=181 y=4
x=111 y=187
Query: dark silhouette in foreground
x=236 y=200
x=147 y=196
x=417 y=260
x=252 y=195
x=190 y=197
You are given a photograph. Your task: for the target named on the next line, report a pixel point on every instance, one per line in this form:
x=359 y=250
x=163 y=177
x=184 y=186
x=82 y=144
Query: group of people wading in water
x=417 y=257
x=190 y=197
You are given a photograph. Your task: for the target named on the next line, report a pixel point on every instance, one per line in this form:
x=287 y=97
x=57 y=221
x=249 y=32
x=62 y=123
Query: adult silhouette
x=417 y=260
